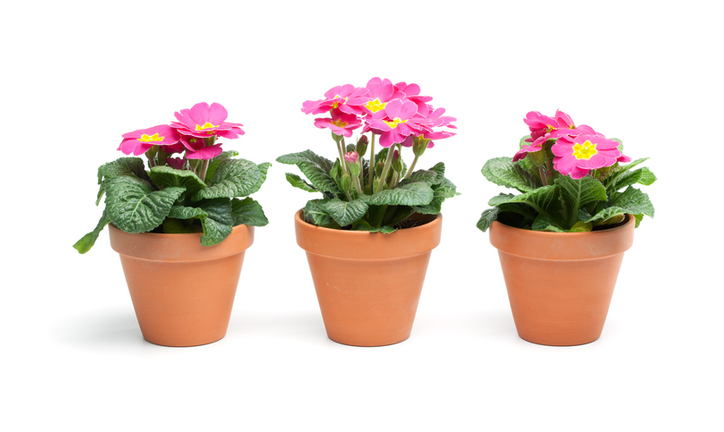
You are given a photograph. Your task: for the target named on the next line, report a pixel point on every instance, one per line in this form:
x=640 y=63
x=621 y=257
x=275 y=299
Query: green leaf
x=167 y=176
x=87 y=241
x=544 y=223
x=487 y=218
x=214 y=163
x=502 y=171
x=441 y=191
x=631 y=201
x=263 y=169
x=411 y=194
x=314 y=214
x=363 y=225
x=298 y=182
x=642 y=176
x=543 y=200
x=122 y=166
x=233 y=178
x=248 y=212
x=133 y=206
x=214 y=215
x=578 y=193
x=316 y=168
x=615 y=173
x=344 y=212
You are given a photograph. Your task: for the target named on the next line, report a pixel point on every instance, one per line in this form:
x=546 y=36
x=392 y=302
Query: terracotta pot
x=560 y=284
x=368 y=284
x=182 y=292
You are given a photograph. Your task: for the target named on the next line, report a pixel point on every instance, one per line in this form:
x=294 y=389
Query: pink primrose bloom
x=578 y=155
x=140 y=141
x=379 y=92
x=340 y=123
x=396 y=122
x=346 y=98
x=203 y=121
x=196 y=148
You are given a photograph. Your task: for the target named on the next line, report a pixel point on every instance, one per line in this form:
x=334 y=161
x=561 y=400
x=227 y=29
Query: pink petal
x=217 y=114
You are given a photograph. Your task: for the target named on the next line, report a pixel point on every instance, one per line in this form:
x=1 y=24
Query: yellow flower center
x=393 y=124
x=585 y=150
x=375 y=105
x=152 y=138
x=339 y=123
x=206 y=125
x=336 y=104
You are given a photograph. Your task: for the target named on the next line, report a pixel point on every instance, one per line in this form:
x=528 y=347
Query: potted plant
x=368 y=238
x=180 y=224
x=562 y=239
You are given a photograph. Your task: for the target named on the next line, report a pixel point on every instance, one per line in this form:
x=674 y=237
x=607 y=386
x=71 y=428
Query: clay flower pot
x=560 y=284
x=368 y=284
x=182 y=291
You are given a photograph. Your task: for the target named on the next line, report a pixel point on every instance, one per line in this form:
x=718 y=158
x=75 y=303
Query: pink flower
x=379 y=92
x=340 y=123
x=140 y=141
x=578 y=155
x=396 y=122
x=203 y=121
x=196 y=148
x=351 y=157
x=346 y=98
x=544 y=128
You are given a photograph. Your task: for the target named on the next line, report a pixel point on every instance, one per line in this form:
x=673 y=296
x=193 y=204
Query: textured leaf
x=344 y=212
x=631 y=201
x=613 y=176
x=263 y=169
x=487 y=218
x=542 y=199
x=314 y=214
x=411 y=194
x=214 y=163
x=214 y=215
x=248 y=212
x=122 y=166
x=298 y=182
x=581 y=192
x=87 y=241
x=544 y=223
x=316 y=168
x=502 y=171
x=133 y=206
x=233 y=178
x=443 y=190
x=167 y=176
x=363 y=225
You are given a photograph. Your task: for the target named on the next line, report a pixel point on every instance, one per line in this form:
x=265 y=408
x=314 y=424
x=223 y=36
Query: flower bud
x=351 y=157
x=379 y=168
x=420 y=145
x=362 y=145
x=396 y=161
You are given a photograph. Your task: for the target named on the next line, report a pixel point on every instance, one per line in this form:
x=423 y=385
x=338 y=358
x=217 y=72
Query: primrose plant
x=570 y=179
x=191 y=184
x=366 y=189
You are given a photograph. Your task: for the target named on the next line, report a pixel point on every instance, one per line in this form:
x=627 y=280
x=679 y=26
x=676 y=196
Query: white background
x=76 y=75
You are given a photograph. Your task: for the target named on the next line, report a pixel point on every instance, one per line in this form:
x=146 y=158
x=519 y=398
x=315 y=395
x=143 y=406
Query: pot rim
x=563 y=246
x=178 y=246
x=366 y=245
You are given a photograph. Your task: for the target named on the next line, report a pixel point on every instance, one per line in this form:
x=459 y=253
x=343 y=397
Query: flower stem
x=386 y=169
x=412 y=167
x=543 y=175
x=372 y=161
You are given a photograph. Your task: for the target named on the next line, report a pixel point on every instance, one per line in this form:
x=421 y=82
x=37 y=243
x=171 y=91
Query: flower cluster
x=396 y=113
x=374 y=191
x=195 y=132
x=570 y=179
x=577 y=149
